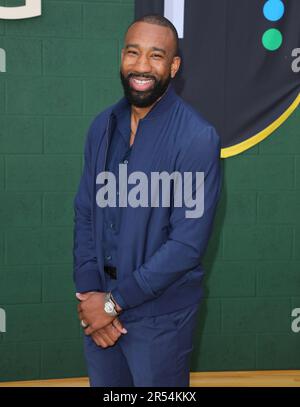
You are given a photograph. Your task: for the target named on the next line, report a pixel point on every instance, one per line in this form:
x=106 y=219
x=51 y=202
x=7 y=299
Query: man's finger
x=98 y=340
x=107 y=338
x=119 y=326
x=91 y=329
x=85 y=296
x=103 y=339
x=112 y=332
x=81 y=297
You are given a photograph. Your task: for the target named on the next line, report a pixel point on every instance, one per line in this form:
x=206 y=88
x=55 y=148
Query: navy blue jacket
x=160 y=250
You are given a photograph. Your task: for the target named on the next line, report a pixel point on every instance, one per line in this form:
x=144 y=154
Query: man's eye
x=157 y=55
x=131 y=52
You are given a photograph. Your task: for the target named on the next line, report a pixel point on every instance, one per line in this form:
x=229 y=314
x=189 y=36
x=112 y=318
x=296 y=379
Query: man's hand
x=91 y=311
x=108 y=335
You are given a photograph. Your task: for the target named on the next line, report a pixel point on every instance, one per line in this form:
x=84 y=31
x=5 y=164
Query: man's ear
x=175 y=66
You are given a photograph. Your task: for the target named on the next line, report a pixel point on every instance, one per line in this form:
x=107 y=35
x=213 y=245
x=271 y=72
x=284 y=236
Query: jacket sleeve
x=85 y=270
x=188 y=237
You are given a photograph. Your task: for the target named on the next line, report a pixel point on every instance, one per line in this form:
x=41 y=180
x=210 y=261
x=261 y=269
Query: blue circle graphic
x=273 y=10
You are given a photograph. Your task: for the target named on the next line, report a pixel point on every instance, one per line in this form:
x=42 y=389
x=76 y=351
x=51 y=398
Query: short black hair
x=157 y=19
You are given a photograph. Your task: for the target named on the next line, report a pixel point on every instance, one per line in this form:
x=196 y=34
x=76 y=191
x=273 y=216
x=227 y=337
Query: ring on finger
x=84 y=324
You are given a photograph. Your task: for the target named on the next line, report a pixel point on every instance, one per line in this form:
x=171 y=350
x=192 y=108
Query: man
x=137 y=268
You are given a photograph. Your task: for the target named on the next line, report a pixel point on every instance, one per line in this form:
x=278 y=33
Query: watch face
x=108 y=307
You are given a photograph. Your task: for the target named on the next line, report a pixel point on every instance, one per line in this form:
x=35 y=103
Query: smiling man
x=138 y=270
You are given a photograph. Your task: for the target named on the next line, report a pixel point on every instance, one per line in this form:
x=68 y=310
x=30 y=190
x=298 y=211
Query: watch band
x=112 y=298
x=110 y=305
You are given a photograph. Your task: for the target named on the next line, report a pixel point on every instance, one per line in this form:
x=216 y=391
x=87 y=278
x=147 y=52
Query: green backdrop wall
x=62 y=69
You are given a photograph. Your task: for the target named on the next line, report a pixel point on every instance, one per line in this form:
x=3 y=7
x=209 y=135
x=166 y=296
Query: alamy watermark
x=2 y=320
x=193 y=192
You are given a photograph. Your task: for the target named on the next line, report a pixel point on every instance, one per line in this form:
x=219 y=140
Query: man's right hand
x=109 y=334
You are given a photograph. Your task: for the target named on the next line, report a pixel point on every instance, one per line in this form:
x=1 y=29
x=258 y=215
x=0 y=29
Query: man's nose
x=142 y=64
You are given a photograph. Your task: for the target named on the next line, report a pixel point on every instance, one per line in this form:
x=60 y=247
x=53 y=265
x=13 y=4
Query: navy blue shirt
x=118 y=152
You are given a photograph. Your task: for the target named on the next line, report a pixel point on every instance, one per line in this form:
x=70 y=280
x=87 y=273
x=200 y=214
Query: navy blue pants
x=155 y=351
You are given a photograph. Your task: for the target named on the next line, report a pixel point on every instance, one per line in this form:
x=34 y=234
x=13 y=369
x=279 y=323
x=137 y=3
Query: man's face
x=147 y=64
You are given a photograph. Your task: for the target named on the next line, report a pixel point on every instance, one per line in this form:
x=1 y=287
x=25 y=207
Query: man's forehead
x=151 y=34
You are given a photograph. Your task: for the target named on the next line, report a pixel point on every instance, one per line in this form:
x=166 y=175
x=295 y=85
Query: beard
x=144 y=98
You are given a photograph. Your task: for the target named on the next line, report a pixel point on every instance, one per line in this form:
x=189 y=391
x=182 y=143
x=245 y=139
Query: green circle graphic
x=272 y=39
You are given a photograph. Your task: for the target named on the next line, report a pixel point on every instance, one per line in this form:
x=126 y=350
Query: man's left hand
x=91 y=311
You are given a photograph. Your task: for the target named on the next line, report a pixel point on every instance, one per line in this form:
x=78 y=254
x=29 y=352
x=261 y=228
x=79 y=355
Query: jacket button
x=125 y=161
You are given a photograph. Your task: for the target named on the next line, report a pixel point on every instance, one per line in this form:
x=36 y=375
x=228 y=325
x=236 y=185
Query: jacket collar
x=164 y=104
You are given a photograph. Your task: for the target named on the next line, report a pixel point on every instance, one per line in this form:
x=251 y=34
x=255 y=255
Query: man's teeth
x=141 y=82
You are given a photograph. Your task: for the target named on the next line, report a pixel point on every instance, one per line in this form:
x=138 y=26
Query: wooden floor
x=265 y=378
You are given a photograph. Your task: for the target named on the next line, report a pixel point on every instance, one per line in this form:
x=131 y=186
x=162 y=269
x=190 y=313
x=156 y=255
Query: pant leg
x=107 y=367
x=158 y=349
x=155 y=351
